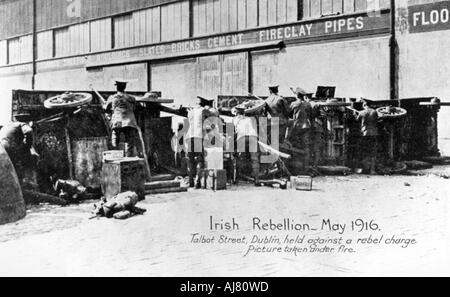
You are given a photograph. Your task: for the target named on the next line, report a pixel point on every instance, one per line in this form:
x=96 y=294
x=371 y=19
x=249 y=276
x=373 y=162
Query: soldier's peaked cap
x=301 y=91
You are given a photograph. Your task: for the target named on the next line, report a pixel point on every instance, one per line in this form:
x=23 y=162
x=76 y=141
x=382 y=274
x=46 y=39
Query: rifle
x=274 y=151
x=251 y=95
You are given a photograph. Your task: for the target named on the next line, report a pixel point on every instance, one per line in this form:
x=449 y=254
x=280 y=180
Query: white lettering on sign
x=285 y=33
x=224 y=41
x=350 y=24
x=433 y=17
x=74 y=9
x=179 y=47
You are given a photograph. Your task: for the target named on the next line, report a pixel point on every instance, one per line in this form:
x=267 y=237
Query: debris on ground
x=418 y=165
x=121 y=207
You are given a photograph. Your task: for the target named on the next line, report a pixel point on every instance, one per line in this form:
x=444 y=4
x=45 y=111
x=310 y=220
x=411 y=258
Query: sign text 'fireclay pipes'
x=326 y=28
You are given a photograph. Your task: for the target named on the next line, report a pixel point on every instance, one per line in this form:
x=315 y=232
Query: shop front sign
x=328 y=28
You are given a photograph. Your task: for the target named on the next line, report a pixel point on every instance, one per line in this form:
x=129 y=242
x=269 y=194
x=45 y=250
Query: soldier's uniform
x=318 y=134
x=194 y=140
x=277 y=107
x=369 y=129
x=123 y=120
x=17 y=139
x=247 y=143
x=300 y=137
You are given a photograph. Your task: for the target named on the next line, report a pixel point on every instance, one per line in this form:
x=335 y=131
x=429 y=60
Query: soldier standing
x=299 y=131
x=246 y=128
x=277 y=107
x=123 y=119
x=195 y=137
x=369 y=130
x=317 y=131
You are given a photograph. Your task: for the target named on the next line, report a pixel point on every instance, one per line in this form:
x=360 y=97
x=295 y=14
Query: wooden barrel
x=12 y=205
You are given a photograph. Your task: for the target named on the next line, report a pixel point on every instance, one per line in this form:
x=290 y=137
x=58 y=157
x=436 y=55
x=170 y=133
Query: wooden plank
x=185 y=19
x=137 y=27
x=117 y=32
x=360 y=5
x=195 y=17
x=292 y=11
x=315 y=8
x=3 y=52
x=143 y=27
x=164 y=24
x=252 y=13
x=224 y=17
x=349 y=6
x=177 y=21
x=209 y=16
x=171 y=20
x=128 y=32
x=162 y=184
x=156 y=28
x=201 y=17
x=148 y=26
x=327 y=7
x=233 y=15
x=281 y=11
x=107 y=34
x=306 y=9
x=74 y=35
x=338 y=6
x=93 y=37
x=166 y=191
x=263 y=12
x=242 y=14
x=217 y=16
x=86 y=37
x=272 y=12
x=130 y=27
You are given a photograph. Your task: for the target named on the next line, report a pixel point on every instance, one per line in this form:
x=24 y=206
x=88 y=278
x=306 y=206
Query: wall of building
x=356 y=67
x=424 y=61
x=57 y=13
x=7 y=84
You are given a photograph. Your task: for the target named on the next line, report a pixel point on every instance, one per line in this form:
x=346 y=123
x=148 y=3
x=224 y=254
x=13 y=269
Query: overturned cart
x=71 y=139
x=408 y=131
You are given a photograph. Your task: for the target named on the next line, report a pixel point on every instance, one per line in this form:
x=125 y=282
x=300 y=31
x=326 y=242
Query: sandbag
x=12 y=205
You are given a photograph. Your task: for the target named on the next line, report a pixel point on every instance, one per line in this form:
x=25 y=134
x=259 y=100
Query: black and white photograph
x=224 y=139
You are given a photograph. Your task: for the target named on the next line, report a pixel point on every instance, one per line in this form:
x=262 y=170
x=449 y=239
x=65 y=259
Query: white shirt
x=245 y=126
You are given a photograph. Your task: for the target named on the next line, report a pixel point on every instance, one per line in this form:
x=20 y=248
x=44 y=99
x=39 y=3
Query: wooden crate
x=124 y=175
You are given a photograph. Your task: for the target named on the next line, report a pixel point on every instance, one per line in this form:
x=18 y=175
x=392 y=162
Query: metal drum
x=12 y=205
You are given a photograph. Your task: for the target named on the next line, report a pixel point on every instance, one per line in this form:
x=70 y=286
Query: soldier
x=299 y=131
x=317 y=131
x=17 y=139
x=369 y=130
x=123 y=120
x=246 y=128
x=195 y=136
x=277 y=107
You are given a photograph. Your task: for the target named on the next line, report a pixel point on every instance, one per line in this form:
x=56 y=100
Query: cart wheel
x=391 y=112
x=68 y=100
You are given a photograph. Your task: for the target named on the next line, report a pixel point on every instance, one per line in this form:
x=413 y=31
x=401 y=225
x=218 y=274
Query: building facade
x=187 y=48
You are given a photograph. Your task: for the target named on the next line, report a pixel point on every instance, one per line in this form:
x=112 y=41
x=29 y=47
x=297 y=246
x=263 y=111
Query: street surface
x=54 y=241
